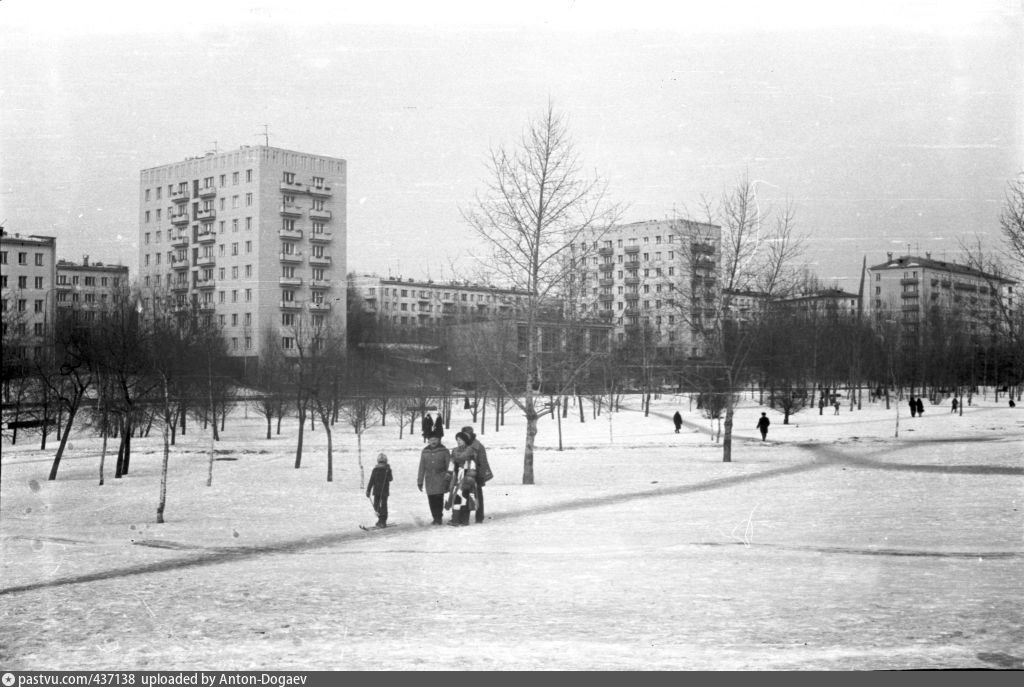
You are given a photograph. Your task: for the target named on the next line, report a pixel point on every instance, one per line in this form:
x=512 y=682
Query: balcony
x=179 y=241
x=632 y=296
x=910 y=294
x=205 y=283
x=290 y=257
x=293 y=187
x=320 y=214
x=605 y=282
x=295 y=234
x=321 y=237
x=606 y=315
x=206 y=215
x=319 y=191
x=207 y=307
x=323 y=260
x=206 y=261
x=605 y=297
x=207 y=237
x=291 y=210
x=180 y=219
x=207 y=192
x=631 y=312
x=910 y=307
x=606 y=266
x=326 y=284
x=632 y=281
x=290 y=281
x=632 y=264
x=180 y=264
x=632 y=249
x=179 y=196
x=606 y=251
x=180 y=287
x=320 y=307
x=291 y=305
x=905 y=282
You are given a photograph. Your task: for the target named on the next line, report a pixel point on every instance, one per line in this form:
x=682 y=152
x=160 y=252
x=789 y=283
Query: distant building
x=89 y=287
x=907 y=289
x=653 y=276
x=253 y=239
x=743 y=305
x=406 y=304
x=825 y=302
x=28 y=275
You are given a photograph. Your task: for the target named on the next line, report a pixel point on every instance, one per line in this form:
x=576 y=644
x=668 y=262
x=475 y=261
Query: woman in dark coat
x=439 y=426
x=431 y=478
x=427 y=426
x=677 y=419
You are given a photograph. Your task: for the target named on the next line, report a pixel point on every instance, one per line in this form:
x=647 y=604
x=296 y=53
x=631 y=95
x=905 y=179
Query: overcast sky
x=887 y=124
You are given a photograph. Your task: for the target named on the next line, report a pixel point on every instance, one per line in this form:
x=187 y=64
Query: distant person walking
x=439 y=426
x=431 y=477
x=920 y=406
x=427 y=427
x=378 y=489
x=677 y=419
x=762 y=425
x=835 y=404
x=953 y=406
x=913 y=407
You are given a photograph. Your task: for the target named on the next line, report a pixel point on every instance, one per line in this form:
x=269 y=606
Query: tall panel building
x=254 y=239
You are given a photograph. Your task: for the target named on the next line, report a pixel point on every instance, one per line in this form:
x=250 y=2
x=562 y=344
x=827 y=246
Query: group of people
x=453 y=479
x=916 y=406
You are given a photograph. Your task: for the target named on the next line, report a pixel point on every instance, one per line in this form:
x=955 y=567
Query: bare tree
x=535 y=206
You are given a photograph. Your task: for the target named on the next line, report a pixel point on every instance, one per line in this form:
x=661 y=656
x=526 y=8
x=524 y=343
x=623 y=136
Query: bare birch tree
x=536 y=204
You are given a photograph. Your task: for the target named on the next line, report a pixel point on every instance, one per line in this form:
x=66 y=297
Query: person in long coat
x=913 y=407
x=762 y=426
x=677 y=419
x=463 y=467
x=920 y=406
x=427 y=427
x=484 y=474
x=439 y=425
x=431 y=477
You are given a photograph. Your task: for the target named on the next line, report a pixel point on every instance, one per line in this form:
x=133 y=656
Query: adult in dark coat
x=920 y=406
x=762 y=425
x=677 y=419
x=483 y=472
x=431 y=477
x=439 y=426
x=379 y=487
x=913 y=407
x=427 y=426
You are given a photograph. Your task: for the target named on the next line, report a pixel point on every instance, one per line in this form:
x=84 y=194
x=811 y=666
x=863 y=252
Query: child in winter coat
x=462 y=494
x=379 y=486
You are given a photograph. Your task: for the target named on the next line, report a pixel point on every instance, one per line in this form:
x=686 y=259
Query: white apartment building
x=906 y=289
x=411 y=303
x=27 y=278
x=254 y=239
x=649 y=276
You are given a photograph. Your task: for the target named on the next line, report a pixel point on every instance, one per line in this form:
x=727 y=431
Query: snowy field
x=833 y=545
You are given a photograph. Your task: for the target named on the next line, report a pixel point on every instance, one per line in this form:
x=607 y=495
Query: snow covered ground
x=833 y=545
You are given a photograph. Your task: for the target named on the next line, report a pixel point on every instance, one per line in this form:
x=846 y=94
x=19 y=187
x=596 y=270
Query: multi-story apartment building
x=654 y=276
x=254 y=239
x=28 y=275
x=830 y=302
x=907 y=289
x=89 y=287
x=410 y=303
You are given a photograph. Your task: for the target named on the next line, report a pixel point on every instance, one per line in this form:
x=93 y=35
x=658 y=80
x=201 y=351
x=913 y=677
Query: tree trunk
x=268 y=425
x=166 y=457
x=531 y=434
x=727 y=438
x=298 y=445
x=325 y=420
x=63 y=440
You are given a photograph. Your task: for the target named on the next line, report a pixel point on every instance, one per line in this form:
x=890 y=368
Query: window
x=318 y=182
x=289 y=177
x=234 y=249
x=234 y=202
x=287 y=343
x=234 y=272
x=248 y=271
x=287 y=295
x=248 y=176
x=3 y=257
x=248 y=200
x=38 y=305
x=287 y=319
x=234 y=226
x=147 y=195
x=234 y=319
x=234 y=295
x=248 y=246
x=288 y=224
x=248 y=223
x=223 y=180
x=37 y=328
x=22 y=258
x=147 y=222
x=248 y=319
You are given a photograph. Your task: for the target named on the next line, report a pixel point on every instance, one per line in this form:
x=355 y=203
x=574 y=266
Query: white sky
x=888 y=124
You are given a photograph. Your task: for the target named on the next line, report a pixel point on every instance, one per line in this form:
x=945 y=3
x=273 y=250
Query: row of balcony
x=292 y=210
x=299 y=187
x=314 y=237
x=182 y=218
x=324 y=306
x=297 y=257
x=297 y=281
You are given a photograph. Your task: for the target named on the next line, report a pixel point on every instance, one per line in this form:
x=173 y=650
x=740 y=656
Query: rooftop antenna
x=215 y=148
x=265 y=135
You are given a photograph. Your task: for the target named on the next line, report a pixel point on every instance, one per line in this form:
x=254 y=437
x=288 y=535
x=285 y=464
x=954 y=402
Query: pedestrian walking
x=427 y=427
x=835 y=404
x=463 y=468
x=484 y=474
x=431 y=477
x=762 y=425
x=677 y=419
x=913 y=407
x=439 y=426
x=953 y=406
x=378 y=489
x=920 y=406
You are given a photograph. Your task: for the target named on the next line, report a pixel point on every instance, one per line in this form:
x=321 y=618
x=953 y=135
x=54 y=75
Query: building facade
x=827 y=302
x=27 y=280
x=409 y=303
x=656 y=277
x=90 y=287
x=253 y=239
x=907 y=289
